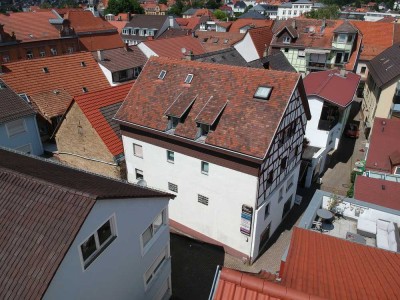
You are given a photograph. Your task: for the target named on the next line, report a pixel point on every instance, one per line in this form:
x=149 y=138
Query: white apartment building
x=289 y=10
x=225 y=140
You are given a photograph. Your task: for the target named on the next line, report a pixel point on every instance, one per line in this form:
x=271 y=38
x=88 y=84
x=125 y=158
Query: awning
x=317 y=51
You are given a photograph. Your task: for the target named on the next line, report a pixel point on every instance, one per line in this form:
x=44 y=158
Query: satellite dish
x=183 y=50
x=142 y=182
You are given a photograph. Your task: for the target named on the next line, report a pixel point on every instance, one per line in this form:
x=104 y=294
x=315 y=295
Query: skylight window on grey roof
x=263 y=92
x=189 y=78
x=162 y=74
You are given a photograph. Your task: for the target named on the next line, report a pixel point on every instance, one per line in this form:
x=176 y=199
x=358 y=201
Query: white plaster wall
x=247 y=49
x=146 y=50
x=108 y=75
x=358 y=71
x=117 y=273
x=317 y=138
x=226 y=189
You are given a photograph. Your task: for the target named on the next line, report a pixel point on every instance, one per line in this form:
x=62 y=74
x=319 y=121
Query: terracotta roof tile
x=333 y=268
x=64 y=72
x=121 y=58
x=215 y=41
x=118 y=24
x=240 y=23
x=377 y=191
x=246 y=125
x=384 y=132
x=85 y=21
x=172 y=47
x=91 y=105
x=51 y=104
x=326 y=84
x=101 y=41
x=30 y=26
x=261 y=37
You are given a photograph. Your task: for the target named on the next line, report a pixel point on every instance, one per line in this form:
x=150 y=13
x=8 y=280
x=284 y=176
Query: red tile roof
x=91 y=104
x=64 y=72
x=240 y=23
x=85 y=21
x=246 y=125
x=188 y=23
x=384 y=132
x=100 y=41
x=172 y=47
x=333 y=268
x=30 y=26
x=261 y=37
x=118 y=24
x=51 y=104
x=377 y=191
x=332 y=87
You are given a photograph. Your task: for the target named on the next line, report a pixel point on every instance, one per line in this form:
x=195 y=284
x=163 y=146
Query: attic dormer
x=345 y=34
x=287 y=35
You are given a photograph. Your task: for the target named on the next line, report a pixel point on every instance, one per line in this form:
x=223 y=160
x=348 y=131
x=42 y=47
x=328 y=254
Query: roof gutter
x=88 y=158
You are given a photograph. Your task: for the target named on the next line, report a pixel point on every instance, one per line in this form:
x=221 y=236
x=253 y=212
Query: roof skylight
x=263 y=92
x=84 y=89
x=162 y=74
x=189 y=78
x=45 y=70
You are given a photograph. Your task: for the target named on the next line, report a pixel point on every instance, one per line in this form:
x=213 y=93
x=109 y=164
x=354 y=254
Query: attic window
x=84 y=89
x=162 y=74
x=286 y=40
x=45 y=70
x=226 y=42
x=25 y=97
x=172 y=122
x=189 y=78
x=263 y=92
x=83 y=64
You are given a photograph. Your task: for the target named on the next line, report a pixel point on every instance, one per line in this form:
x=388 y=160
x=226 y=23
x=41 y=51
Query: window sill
x=91 y=259
x=171 y=161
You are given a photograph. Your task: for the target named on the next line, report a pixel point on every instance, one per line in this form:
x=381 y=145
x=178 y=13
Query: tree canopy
x=220 y=15
x=123 y=6
x=328 y=12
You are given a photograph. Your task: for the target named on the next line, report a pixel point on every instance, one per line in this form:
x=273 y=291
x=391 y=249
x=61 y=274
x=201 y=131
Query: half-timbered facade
x=226 y=140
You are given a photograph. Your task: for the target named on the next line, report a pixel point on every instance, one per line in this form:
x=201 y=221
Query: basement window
x=189 y=78
x=263 y=92
x=162 y=74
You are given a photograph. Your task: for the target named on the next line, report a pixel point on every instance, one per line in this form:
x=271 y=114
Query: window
x=290 y=183
x=25 y=97
x=204 y=129
x=346 y=57
x=363 y=70
x=16 y=127
x=341 y=38
x=397 y=171
x=286 y=50
x=155 y=267
x=263 y=92
x=270 y=178
x=125 y=31
x=162 y=74
x=6 y=58
x=42 y=52
x=280 y=194
x=70 y=50
x=349 y=38
x=170 y=156
x=173 y=122
x=286 y=40
x=153 y=228
x=83 y=64
x=139 y=174
x=202 y=199
x=266 y=211
x=45 y=70
x=204 y=167
x=97 y=242
x=137 y=150
x=301 y=53
x=29 y=54
x=53 y=51
x=172 y=187
x=283 y=163
x=189 y=78
x=84 y=89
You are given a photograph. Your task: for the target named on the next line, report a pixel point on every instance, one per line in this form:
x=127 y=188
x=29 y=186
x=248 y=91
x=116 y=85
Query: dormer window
x=263 y=92
x=286 y=40
x=162 y=74
x=203 y=130
x=341 y=38
x=189 y=78
x=172 y=122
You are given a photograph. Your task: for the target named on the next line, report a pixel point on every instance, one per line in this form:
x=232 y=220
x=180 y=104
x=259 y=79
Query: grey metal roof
x=228 y=56
x=345 y=27
x=12 y=106
x=240 y=4
x=252 y=14
x=147 y=21
x=386 y=66
x=279 y=62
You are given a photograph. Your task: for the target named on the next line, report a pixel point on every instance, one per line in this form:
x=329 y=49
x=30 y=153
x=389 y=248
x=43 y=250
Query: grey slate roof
x=240 y=4
x=144 y=21
x=386 y=66
x=251 y=14
x=228 y=56
x=108 y=113
x=12 y=106
x=345 y=27
x=278 y=62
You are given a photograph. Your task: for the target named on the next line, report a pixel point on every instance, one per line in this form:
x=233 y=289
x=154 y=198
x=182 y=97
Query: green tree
x=220 y=15
x=328 y=12
x=45 y=5
x=120 y=6
x=68 y=4
x=248 y=8
x=212 y=4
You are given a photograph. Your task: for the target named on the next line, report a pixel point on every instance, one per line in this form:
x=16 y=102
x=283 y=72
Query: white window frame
x=280 y=195
x=19 y=130
x=42 y=53
x=53 y=51
x=138 y=153
x=156 y=267
x=99 y=248
x=154 y=232
x=136 y=173
x=173 y=157
x=340 y=39
x=204 y=163
x=287 y=39
x=397 y=171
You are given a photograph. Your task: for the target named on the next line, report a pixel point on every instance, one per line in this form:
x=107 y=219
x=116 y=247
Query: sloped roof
x=252 y=14
x=173 y=47
x=377 y=191
x=215 y=41
x=345 y=27
x=85 y=21
x=333 y=268
x=118 y=24
x=384 y=132
x=240 y=23
x=92 y=104
x=100 y=41
x=188 y=23
x=43 y=205
x=261 y=38
x=332 y=87
x=229 y=56
x=30 y=26
x=277 y=62
x=64 y=72
x=246 y=126
x=385 y=67
x=12 y=106
x=51 y=103
x=147 y=21
x=173 y=32
x=121 y=58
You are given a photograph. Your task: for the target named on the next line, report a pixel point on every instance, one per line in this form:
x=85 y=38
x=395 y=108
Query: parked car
x=352 y=131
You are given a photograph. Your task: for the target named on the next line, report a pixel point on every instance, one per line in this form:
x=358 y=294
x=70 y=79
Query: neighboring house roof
x=261 y=38
x=377 y=191
x=35 y=239
x=30 y=26
x=118 y=24
x=245 y=125
x=332 y=86
x=345 y=27
x=173 y=32
x=51 y=104
x=12 y=106
x=85 y=22
x=229 y=56
x=240 y=4
x=333 y=268
x=99 y=108
x=120 y=59
x=173 y=47
x=215 y=41
x=252 y=14
x=64 y=72
x=188 y=23
x=253 y=23
x=374 y=42
x=384 y=132
x=385 y=67
x=277 y=62
x=147 y=21
x=100 y=41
